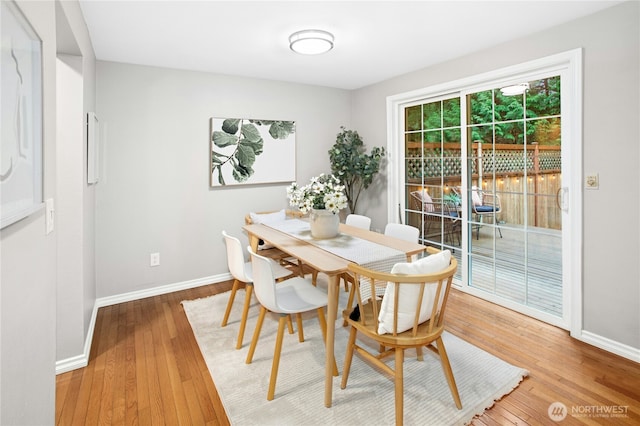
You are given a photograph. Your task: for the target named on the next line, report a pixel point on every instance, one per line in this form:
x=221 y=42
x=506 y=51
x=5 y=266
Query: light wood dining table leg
x=254 y=242
x=332 y=309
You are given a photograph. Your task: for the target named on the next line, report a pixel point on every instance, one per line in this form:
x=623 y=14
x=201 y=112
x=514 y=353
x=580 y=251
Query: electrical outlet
x=592 y=181
x=154 y=259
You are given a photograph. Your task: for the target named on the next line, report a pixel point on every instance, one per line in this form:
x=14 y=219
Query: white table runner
x=363 y=252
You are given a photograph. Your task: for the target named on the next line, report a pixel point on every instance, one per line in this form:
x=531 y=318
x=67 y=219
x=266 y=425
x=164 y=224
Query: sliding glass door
x=481 y=174
x=514 y=174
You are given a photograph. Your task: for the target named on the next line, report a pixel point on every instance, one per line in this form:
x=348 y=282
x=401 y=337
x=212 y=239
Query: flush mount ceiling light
x=311 y=42
x=516 y=89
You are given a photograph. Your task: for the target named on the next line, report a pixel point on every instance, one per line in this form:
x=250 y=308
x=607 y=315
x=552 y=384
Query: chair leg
x=245 y=313
x=300 y=330
x=276 y=358
x=323 y=326
x=256 y=335
x=352 y=294
x=290 y=324
x=348 y=357
x=234 y=289
x=399 y=386
x=446 y=366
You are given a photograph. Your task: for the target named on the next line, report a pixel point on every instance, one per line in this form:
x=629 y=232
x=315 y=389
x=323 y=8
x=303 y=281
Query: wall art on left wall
x=249 y=151
x=21 y=118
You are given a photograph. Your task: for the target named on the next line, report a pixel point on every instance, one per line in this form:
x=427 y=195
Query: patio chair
x=485 y=204
x=242 y=273
x=410 y=315
x=440 y=218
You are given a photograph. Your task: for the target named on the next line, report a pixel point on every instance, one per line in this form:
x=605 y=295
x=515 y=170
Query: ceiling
x=374 y=40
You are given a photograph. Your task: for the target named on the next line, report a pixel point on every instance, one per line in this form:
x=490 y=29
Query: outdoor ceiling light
x=516 y=89
x=311 y=42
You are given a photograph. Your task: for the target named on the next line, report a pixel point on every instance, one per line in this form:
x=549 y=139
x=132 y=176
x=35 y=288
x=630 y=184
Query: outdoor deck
x=526 y=268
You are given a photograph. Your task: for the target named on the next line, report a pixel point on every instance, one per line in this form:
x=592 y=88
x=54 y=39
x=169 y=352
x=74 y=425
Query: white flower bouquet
x=322 y=192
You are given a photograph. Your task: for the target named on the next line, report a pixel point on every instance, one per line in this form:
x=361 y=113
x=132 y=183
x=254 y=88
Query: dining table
x=332 y=257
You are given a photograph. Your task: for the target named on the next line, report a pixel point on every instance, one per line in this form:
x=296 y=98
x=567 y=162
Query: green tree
x=352 y=165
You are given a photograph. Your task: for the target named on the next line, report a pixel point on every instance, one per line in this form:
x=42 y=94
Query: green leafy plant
x=352 y=165
x=248 y=142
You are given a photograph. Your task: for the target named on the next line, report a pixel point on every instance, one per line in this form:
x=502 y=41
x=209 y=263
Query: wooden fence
x=508 y=169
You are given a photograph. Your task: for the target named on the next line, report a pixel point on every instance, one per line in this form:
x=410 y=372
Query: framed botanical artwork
x=249 y=151
x=20 y=117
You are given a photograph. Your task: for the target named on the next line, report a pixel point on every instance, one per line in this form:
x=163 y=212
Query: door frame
x=570 y=64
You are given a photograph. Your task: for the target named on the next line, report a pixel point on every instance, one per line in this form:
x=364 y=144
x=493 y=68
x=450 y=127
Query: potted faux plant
x=352 y=165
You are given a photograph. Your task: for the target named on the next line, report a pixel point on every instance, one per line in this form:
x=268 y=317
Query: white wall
x=75 y=203
x=29 y=258
x=69 y=218
x=611 y=240
x=28 y=274
x=154 y=193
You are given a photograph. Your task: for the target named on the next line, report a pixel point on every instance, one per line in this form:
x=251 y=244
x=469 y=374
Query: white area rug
x=368 y=397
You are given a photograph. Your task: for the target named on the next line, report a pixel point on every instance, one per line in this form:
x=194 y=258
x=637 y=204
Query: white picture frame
x=21 y=174
x=93 y=148
x=247 y=151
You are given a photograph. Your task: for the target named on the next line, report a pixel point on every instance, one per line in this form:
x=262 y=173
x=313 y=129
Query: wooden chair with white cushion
x=410 y=315
x=294 y=296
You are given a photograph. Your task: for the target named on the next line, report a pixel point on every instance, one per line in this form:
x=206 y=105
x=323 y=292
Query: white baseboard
x=609 y=345
x=82 y=360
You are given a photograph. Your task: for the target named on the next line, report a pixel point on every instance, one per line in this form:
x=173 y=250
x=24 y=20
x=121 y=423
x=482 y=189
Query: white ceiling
x=374 y=40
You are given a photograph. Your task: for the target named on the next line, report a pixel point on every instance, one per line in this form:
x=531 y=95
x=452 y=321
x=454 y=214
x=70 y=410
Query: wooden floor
x=146 y=368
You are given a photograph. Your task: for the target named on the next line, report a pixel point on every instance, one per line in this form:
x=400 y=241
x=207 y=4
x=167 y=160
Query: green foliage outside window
x=508 y=112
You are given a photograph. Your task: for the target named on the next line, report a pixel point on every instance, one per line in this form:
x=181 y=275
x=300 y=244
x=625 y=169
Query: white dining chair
x=403 y=232
x=294 y=296
x=359 y=221
x=397 y=230
x=242 y=272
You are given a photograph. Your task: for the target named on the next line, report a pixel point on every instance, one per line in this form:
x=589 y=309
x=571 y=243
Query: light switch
x=50 y=215
x=592 y=181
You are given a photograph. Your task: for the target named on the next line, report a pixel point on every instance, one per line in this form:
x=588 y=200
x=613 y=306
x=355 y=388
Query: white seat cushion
x=408 y=293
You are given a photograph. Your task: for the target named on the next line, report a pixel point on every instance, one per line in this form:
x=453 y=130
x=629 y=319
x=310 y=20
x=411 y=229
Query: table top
x=323 y=260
